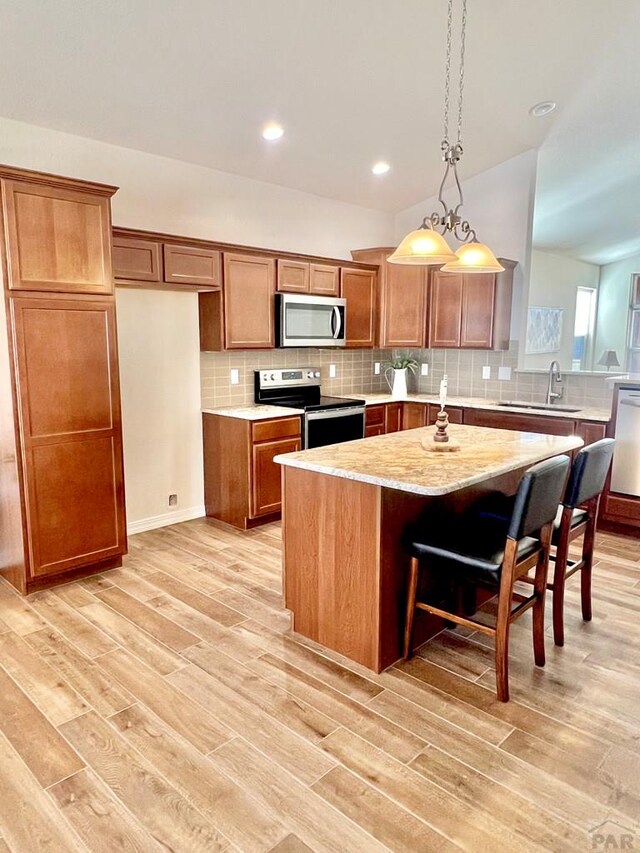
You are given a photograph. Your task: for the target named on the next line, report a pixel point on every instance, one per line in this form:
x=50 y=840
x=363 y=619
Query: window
x=583 y=327
x=633 y=350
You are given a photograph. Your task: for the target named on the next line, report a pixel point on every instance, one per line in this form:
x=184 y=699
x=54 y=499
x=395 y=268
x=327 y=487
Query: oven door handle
x=336 y=322
x=334 y=413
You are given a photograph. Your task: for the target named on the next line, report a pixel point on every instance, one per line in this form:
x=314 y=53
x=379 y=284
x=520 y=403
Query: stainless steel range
x=326 y=420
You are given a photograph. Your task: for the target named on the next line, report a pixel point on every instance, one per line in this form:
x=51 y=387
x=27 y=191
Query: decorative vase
x=399 y=386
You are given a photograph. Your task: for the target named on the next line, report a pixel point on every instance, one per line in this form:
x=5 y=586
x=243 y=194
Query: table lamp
x=609 y=359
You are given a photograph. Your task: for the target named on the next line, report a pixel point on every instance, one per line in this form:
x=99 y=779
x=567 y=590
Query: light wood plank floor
x=166 y=706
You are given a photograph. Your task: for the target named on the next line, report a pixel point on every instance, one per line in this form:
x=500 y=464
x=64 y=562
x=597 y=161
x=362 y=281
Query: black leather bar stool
x=496 y=552
x=578 y=516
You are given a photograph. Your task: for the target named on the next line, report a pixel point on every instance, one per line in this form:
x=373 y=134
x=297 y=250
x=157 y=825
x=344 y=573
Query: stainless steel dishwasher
x=625 y=473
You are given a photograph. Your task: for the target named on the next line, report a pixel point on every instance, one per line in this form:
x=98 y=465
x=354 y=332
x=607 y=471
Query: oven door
x=333 y=426
x=311 y=321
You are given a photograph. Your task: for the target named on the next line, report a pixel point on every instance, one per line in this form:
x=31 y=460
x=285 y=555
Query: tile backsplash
x=354 y=373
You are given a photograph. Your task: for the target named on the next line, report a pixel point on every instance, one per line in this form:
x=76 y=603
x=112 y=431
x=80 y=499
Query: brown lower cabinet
x=241 y=480
x=61 y=481
x=393 y=417
x=374 y=421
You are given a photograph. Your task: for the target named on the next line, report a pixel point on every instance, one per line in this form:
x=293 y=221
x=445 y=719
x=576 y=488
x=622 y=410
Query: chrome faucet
x=554 y=377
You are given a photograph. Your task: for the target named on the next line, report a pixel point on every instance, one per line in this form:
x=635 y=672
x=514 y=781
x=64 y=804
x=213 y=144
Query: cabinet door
x=445 y=310
x=249 y=288
x=393 y=417
x=191 y=265
x=455 y=414
x=414 y=415
x=478 y=296
x=590 y=432
x=324 y=280
x=373 y=429
x=136 y=260
x=293 y=276
x=403 y=306
x=68 y=388
x=358 y=287
x=266 y=494
x=57 y=239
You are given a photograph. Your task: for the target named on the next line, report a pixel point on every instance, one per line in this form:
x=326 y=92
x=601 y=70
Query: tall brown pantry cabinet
x=61 y=472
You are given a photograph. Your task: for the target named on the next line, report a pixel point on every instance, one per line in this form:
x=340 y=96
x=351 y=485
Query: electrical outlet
x=376 y=367
x=173 y=500
x=486 y=372
x=424 y=369
x=504 y=373
x=332 y=371
x=234 y=376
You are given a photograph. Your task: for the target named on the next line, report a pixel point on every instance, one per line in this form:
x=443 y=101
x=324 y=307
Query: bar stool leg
x=540 y=590
x=587 y=559
x=411 y=604
x=503 y=623
x=560 y=577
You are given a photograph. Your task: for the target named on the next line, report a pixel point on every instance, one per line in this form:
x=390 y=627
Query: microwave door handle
x=336 y=322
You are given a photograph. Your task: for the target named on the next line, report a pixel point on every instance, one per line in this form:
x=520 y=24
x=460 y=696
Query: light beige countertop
x=586 y=414
x=632 y=380
x=399 y=461
x=253 y=412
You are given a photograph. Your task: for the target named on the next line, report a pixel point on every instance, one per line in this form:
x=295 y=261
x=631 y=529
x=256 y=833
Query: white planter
x=399 y=385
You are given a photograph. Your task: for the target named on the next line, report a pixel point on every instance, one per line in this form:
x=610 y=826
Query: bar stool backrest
x=538 y=496
x=589 y=472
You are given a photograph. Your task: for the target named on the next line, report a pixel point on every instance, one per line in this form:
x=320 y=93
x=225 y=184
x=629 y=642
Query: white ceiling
x=353 y=81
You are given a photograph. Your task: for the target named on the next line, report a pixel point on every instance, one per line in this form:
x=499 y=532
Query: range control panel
x=275 y=378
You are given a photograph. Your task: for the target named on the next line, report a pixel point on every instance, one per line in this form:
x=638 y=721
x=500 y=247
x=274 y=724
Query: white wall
x=158 y=332
x=553 y=283
x=499 y=205
x=613 y=306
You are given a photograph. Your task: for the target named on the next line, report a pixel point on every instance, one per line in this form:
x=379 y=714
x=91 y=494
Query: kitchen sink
x=547 y=407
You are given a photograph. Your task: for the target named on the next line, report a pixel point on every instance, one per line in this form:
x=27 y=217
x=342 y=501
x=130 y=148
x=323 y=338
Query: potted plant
x=397 y=368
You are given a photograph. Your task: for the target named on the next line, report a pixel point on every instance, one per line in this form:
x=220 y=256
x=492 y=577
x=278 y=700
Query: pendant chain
x=447 y=75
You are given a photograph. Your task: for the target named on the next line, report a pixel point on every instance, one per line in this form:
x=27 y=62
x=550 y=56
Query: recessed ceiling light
x=272 y=131
x=380 y=168
x=542 y=109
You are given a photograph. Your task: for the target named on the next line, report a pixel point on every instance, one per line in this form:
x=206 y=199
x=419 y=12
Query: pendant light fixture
x=426 y=245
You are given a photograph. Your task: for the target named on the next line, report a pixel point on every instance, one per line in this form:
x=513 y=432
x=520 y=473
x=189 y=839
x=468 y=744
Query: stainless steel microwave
x=310 y=321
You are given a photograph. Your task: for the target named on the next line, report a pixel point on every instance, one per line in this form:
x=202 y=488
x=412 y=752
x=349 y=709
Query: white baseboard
x=165 y=519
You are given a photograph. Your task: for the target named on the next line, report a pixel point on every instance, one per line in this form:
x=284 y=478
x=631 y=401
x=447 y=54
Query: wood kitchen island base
x=344 y=565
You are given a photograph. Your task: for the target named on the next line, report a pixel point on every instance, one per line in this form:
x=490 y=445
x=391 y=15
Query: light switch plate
x=234 y=376
x=504 y=373
x=486 y=372
x=424 y=369
x=332 y=371
x=376 y=367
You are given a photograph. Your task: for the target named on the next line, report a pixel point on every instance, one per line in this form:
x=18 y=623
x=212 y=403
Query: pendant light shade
x=474 y=257
x=423 y=246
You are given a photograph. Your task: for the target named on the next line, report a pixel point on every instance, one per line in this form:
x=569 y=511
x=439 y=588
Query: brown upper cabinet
x=58 y=238
x=192 y=265
x=402 y=300
x=471 y=311
x=156 y=262
x=358 y=287
x=302 y=277
x=249 y=288
x=137 y=260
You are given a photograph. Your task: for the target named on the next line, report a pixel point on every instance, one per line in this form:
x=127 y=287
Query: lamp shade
x=474 y=257
x=609 y=358
x=423 y=246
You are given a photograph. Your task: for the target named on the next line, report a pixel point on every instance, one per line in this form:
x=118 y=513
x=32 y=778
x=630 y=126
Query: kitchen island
x=345 y=507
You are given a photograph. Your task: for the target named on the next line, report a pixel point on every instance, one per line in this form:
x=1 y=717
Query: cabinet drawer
x=624 y=510
x=136 y=260
x=523 y=423
x=373 y=429
x=374 y=415
x=191 y=265
x=278 y=428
